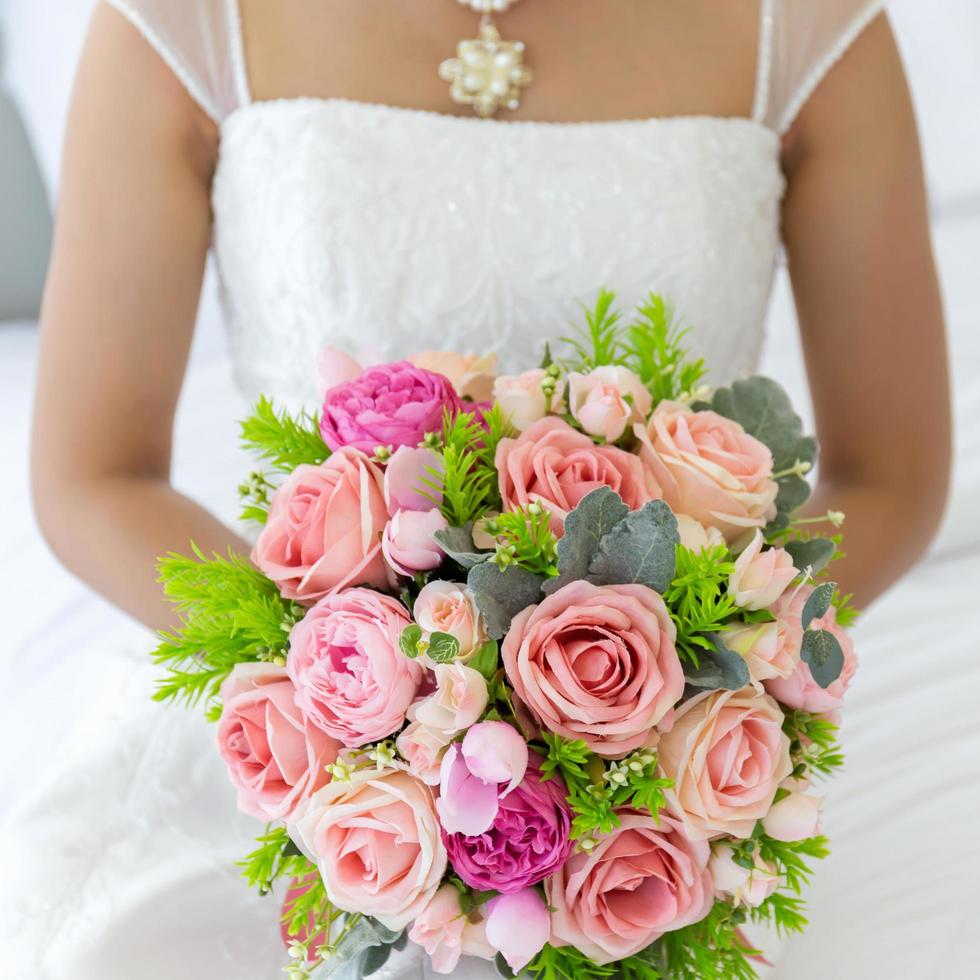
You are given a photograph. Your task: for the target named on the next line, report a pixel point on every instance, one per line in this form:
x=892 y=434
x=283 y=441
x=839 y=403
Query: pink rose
x=459 y=699
x=553 y=464
x=448 y=607
x=746 y=886
x=710 y=468
x=518 y=925
x=760 y=577
x=527 y=398
x=351 y=678
x=376 y=841
x=408 y=475
x=496 y=753
x=726 y=754
x=596 y=663
x=800 y=690
x=607 y=400
x=324 y=527
x=640 y=881
x=467 y=804
x=388 y=405
x=408 y=543
x=275 y=757
x=769 y=649
x=422 y=748
x=794 y=817
x=696 y=537
x=472 y=375
x=447 y=934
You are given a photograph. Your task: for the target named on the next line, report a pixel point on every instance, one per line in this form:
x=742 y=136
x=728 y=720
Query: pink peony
x=709 y=468
x=553 y=464
x=408 y=543
x=449 y=607
x=351 y=678
x=275 y=757
x=596 y=663
x=726 y=754
x=800 y=690
x=375 y=839
x=519 y=925
x=527 y=841
x=324 y=527
x=447 y=934
x=640 y=881
x=607 y=400
x=760 y=577
x=408 y=474
x=388 y=405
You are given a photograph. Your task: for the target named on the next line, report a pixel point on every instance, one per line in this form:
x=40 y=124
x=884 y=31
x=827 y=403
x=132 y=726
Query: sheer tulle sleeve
x=805 y=39
x=201 y=42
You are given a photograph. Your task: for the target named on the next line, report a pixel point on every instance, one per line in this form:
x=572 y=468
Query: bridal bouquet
x=538 y=668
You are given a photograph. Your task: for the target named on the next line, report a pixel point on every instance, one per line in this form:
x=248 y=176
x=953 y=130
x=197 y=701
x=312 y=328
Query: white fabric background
x=919 y=653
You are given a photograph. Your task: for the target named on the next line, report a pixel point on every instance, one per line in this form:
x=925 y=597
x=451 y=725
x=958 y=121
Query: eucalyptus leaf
x=595 y=516
x=814 y=554
x=347 y=961
x=374 y=959
x=823 y=655
x=818 y=602
x=443 y=648
x=501 y=595
x=409 y=640
x=503 y=970
x=486 y=660
x=457 y=543
x=640 y=549
x=719 y=668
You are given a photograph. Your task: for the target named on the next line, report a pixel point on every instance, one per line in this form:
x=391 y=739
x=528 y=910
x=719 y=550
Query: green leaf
x=373 y=959
x=595 y=516
x=486 y=660
x=501 y=595
x=457 y=543
x=719 y=667
x=640 y=550
x=285 y=440
x=818 y=603
x=409 y=640
x=815 y=554
x=823 y=655
x=443 y=648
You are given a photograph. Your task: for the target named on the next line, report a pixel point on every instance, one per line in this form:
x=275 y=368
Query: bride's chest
x=389 y=230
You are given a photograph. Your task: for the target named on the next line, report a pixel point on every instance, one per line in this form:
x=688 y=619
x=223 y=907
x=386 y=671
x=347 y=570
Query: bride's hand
x=856 y=228
x=133 y=230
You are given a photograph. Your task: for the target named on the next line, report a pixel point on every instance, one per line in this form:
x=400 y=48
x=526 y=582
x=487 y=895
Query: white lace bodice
x=389 y=230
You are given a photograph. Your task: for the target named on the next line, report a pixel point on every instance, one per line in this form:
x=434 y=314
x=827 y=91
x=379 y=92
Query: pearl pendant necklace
x=487 y=72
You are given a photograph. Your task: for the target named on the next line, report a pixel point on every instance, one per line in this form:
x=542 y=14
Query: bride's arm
x=132 y=238
x=857 y=233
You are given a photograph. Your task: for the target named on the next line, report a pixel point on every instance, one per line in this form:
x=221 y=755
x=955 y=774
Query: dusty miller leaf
x=457 y=543
x=595 y=516
x=641 y=549
x=501 y=595
x=719 y=668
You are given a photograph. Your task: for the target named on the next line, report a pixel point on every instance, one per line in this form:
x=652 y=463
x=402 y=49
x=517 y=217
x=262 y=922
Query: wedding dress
x=391 y=230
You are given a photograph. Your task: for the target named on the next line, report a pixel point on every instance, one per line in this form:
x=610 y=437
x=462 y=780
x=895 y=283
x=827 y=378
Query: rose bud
x=607 y=400
x=460 y=698
x=761 y=577
x=793 y=818
x=496 y=753
x=746 y=886
x=408 y=543
x=518 y=925
x=408 y=474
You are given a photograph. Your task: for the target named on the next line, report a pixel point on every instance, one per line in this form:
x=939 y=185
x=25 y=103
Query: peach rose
x=709 y=468
x=769 y=649
x=422 y=748
x=726 y=754
x=607 y=400
x=527 y=398
x=596 y=663
x=555 y=465
x=799 y=690
x=695 y=536
x=351 y=678
x=275 y=757
x=448 y=607
x=472 y=375
x=324 y=527
x=746 y=886
x=376 y=841
x=794 y=817
x=760 y=577
x=459 y=699
x=640 y=881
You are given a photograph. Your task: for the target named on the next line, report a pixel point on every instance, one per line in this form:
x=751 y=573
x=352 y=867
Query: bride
x=348 y=199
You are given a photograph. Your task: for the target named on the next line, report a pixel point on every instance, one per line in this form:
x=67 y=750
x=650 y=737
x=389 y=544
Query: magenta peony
x=389 y=405
x=528 y=840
